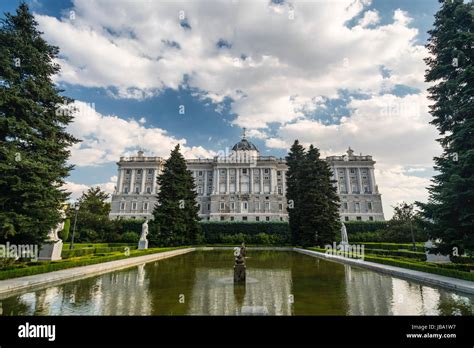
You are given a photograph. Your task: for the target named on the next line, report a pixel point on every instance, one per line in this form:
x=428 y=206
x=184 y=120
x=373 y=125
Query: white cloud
x=370 y=18
x=275 y=69
x=107 y=137
x=77 y=190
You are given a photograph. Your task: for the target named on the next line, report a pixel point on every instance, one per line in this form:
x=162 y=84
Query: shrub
x=130 y=237
x=64 y=234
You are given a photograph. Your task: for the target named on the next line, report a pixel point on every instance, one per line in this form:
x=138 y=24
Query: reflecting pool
x=278 y=283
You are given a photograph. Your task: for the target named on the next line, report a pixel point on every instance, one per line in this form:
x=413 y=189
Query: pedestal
x=142 y=244
x=51 y=251
x=239 y=273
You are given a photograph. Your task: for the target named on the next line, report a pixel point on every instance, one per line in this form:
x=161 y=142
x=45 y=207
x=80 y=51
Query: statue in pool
x=239 y=265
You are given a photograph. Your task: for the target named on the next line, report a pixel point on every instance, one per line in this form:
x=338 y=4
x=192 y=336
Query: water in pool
x=278 y=283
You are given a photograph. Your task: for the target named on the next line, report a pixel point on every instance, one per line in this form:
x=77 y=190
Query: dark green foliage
x=67 y=253
x=268 y=233
x=176 y=217
x=33 y=139
x=294 y=161
x=93 y=222
x=449 y=212
x=354 y=227
x=318 y=202
x=130 y=237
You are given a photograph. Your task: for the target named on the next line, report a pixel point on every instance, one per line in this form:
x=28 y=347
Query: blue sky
x=334 y=74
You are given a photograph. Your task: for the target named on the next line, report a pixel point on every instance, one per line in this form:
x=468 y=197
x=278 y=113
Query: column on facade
x=261 y=180
x=204 y=191
x=142 y=188
x=216 y=179
x=120 y=180
x=227 y=183
x=283 y=182
x=348 y=181
x=273 y=175
x=250 y=180
x=372 y=181
x=237 y=180
x=359 y=179
x=132 y=181
x=154 y=175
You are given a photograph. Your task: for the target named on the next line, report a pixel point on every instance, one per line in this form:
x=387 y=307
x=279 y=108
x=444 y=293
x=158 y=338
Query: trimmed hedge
x=66 y=253
x=354 y=227
x=401 y=253
x=420 y=247
x=49 y=266
x=270 y=233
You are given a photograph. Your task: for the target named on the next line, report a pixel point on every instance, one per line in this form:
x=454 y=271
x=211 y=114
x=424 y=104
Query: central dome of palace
x=244 y=145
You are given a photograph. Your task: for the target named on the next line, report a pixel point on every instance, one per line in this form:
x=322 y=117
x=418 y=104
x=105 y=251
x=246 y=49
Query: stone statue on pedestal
x=53 y=246
x=239 y=265
x=143 y=242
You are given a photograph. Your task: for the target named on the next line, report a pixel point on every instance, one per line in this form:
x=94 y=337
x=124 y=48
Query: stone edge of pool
x=10 y=287
x=465 y=286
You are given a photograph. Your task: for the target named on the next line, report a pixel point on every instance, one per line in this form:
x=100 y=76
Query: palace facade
x=245 y=186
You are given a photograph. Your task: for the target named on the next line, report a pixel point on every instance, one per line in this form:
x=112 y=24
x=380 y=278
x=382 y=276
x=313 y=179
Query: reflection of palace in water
x=117 y=293
x=371 y=293
x=267 y=292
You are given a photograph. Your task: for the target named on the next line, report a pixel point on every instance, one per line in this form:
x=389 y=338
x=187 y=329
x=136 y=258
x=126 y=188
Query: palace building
x=245 y=186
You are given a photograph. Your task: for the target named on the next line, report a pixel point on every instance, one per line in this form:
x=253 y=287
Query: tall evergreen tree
x=450 y=208
x=294 y=161
x=33 y=140
x=176 y=215
x=319 y=202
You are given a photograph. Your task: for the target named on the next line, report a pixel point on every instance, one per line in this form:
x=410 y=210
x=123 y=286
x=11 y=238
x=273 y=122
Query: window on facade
x=266 y=171
x=231 y=218
x=122 y=205
x=127 y=171
x=222 y=218
x=267 y=206
x=137 y=189
x=244 y=218
x=281 y=219
x=265 y=177
x=346 y=218
x=280 y=206
x=257 y=206
x=280 y=190
x=222 y=171
x=200 y=190
x=371 y=218
x=257 y=218
x=359 y=218
x=125 y=190
x=244 y=171
x=139 y=171
x=357 y=207
x=148 y=189
x=150 y=171
x=353 y=171
x=200 y=173
x=232 y=205
x=145 y=206
x=278 y=172
x=246 y=205
x=208 y=207
x=369 y=205
x=267 y=218
x=345 y=205
x=134 y=205
x=222 y=205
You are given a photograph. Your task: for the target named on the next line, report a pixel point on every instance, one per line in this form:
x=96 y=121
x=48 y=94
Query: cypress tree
x=176 y=214
x=33 y=140
x=450 y=209
x=294 y=161
x=319 y=202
